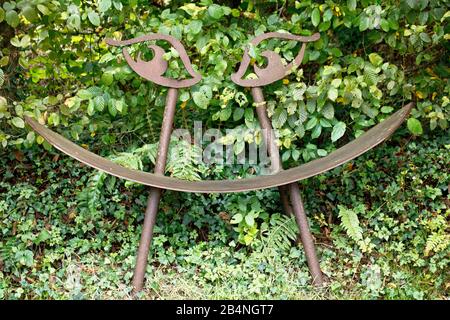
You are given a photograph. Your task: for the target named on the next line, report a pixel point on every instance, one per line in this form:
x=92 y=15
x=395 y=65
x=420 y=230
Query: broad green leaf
x=94 y=18
x=236 y=219
x=415 y=126
x=336 y=52
x=202 y=96
x=112 y=107
x=43 y=9
x=74 y=22
x=328 y=111
x=238 y=113
x=15 y=42
x=328 y=14
x=120 y=105
x=216 y=11
x=351 y=4
x=25 y=41
x=425 y=37
x=18 y=122
x=279 y=118
x=295 y=154
x=412 y=3
x=338 y=131
x=104 y=5
x=250 y=220
x=225 y=114
x=3 y=104
x=30 y=13
x=364 y=23
x=311 y=123
x=316 y=131
x=311 y=105
x=302 y=113
x=195 y=26
x=324 y=26
x=423 y=17
x=376 y=93
x=286 y=155
x=315 y=17
x=106 y=57
x=91 y=108
x=384 y=25
x=314 y=55
x=238 y=147
x=184 y=96
x=99 y=103
x=12 y=18
x=25 y=257
x=53 y=119
x=325 y=123
x=375 y=59
x=332 y=93
x=248 y=114
x=43 y=236
x=107 y=78
x=31 y=136
x=221 y=66
x=386 y=109
x=192 y=9
x=336 y=83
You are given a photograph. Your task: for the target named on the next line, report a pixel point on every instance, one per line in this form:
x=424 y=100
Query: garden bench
x=285 y=180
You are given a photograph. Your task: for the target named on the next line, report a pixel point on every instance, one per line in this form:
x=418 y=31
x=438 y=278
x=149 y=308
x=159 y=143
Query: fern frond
x=184 y=161
x=350 y=222
x=370 y=75
x=2 y=77
x=282 y=232
x=436 y=242
x=89 y=197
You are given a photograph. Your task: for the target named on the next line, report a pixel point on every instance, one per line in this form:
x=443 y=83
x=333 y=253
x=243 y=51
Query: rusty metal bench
x=285 y=180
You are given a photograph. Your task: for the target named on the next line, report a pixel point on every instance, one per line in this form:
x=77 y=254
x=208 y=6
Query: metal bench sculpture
x=285 y=180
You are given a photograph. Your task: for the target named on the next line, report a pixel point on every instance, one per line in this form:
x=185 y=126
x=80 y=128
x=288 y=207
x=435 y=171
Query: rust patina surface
x=364 y=142
x=274 y=70
x=154 y=69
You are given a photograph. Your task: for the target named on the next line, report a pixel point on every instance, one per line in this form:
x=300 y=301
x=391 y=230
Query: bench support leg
x=291 y=189
x=155 y=193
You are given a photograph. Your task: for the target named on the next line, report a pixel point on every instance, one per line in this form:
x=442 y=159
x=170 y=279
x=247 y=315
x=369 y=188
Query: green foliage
x=414 y=126
x=371 y=58
x=279 y=234
x=380 y=221
x=350 y=221
x=53 y=246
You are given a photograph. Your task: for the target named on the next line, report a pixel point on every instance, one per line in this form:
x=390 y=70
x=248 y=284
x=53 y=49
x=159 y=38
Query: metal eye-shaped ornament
x=154 y=69
x=275 y=70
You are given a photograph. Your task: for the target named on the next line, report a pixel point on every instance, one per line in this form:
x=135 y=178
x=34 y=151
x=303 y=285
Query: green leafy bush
x=371 y=59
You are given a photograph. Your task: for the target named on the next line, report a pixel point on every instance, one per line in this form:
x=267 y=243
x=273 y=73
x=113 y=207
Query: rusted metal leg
x=155 y=193
x=284 y=196
x=293 y=189
x=305 y=234
x=272 y=148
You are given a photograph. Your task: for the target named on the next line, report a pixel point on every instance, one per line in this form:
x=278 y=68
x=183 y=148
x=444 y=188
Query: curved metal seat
x=351 y=150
